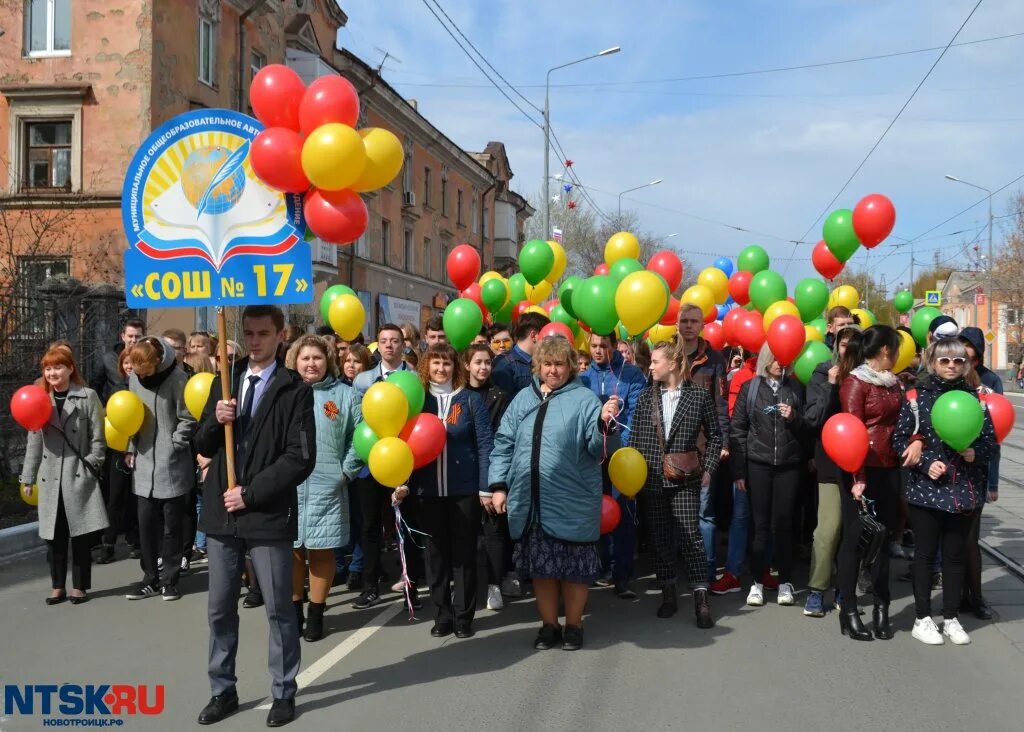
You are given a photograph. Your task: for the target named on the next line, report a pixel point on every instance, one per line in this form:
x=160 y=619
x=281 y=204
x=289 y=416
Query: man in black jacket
x=109 y=379
x=275 y=450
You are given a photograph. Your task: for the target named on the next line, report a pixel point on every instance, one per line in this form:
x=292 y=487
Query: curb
x=19 y=539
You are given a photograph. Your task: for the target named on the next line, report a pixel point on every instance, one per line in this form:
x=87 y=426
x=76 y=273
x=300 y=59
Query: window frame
x=26 y=159
x=51 y=25
x=428 y=257
x=385 y=239
x=32 y=105
x=32 y=312
x=427 y=175
x=459 y=207
x=444 y=191
x=211 y=80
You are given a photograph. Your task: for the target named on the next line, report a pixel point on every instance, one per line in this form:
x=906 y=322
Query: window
x=207 y=52
x=256 y=62
x=428 y=258
x=485 y=222
x=426 y=186
x=47 y=155
x=407 y=168
x=444 y=191
x=458 y=208
x=48 y=27
x=446 y=248
x=385 y=240
x=33 y=272
x=410 y=254
x=475 y=223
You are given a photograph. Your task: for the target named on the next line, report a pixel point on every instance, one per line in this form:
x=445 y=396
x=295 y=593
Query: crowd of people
x=731 y=441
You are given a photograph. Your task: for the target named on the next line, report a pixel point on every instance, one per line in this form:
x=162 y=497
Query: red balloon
x=739 y=287
x=873 y=219
x=845 y=439
x=275 y=94
x=601 y=269
x=611 y=514
x=667 y=264
x=557 y=329
x=473 y=293
x=425 y=434
x=672 y=314
x=712 y=316
x=338 y=217
x=786 y=336
x=748 y=330
x=550 y=305
x=729 y=325
x=276 y=157
x=1002 y=413
x=714 y=334
x=463 y=265
x=519 y=309
x=825 y=261
x=328 y=99
x=31 y=407
x=911 y=395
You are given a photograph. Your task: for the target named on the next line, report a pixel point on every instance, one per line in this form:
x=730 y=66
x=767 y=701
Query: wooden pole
x=225 y=393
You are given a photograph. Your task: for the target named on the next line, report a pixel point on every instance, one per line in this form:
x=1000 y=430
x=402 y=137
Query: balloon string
x=400 y=523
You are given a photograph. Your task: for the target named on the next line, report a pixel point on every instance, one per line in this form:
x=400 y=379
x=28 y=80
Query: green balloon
x=814 y=353
x=811 y=297
x=839 y=236
x=494 y=293
x=517 y=288
x=363 y=440
x=559 y=314
x=958 y=418
x=753 y=259
x=622 y=333
x=536 y=260
x=462 y=321
x=594 y=303
x=409 y=383
x=920 y=322
x=504 y=315
x=623 y=268
x=819 y=325
x=903 y=301
x=565 y=293
x=766 y=289
x=871 y=319
x=330 y=295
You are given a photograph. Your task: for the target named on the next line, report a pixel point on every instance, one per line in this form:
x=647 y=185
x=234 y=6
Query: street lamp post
x=637 y=188
x=547 y=130
x=991 y=275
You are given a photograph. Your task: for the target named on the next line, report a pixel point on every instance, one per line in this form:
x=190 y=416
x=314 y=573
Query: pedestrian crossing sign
x=933 y=298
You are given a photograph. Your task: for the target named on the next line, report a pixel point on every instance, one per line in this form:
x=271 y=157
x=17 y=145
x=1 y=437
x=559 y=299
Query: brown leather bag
x=675 y=466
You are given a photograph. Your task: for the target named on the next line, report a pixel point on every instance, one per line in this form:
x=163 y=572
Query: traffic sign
x=933 y=298
x=990 y=336
x=202 y=229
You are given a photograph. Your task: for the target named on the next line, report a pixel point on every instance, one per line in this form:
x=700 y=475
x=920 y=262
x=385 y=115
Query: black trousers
x=166 y=544
x=972 y=559
x=882 y=487
x=81 y=554
x=120 y=499
x=931 y=527
x=374 y=502
x=497 y=547
x=454 y=525
x=673 y=523
x=773 y=495
x=190 y=521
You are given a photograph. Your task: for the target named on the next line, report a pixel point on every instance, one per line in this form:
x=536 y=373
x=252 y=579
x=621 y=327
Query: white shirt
x=261 y=386
x=669 y=401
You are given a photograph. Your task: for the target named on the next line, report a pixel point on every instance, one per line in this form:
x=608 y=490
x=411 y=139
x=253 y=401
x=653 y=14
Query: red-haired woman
x=64 y=460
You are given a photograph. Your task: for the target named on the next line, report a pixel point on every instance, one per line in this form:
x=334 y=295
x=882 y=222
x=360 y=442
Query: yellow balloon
x=715 y=280
x=372 y=347
x=384 y=157
x=558 y=268
x=385 y=409
x=197 y=394
x=906 y=354
x=701 y=296
x=116 y=440
x=865 y=318
x=662 y=333
x=640 y=300
x=390 y=461
x=333 y=156
x=486 y=276
x=347 y=316
x=813 y=334
x=536 y=309
x=844 y=295
x=582 y=343
x=628 y=471
x=125 y=412
x=30 y=494
x=782 y=307
x=536 y=294
x=621 y=246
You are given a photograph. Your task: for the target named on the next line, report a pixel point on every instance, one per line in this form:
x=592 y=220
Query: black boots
x=105 y=554
x=702 y=608
x=315 y=622
x=669 y=604
x=880 y=621
x=299 y=615
x=850 y=624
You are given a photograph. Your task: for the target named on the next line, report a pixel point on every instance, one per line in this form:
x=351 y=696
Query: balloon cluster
x=844 y=231
x=343 y=310
x=125 y=413
x=394 y=437
x=310 y=146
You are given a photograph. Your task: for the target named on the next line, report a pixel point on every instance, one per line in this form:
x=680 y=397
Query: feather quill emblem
x=232 y=164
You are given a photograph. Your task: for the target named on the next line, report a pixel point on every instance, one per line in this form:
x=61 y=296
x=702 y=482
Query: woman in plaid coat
x=674 y=415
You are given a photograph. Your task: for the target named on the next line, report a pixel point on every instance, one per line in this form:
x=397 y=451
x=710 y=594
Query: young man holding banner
x=271 y=410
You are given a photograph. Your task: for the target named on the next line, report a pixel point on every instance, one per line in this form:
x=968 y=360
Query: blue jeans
x=706 y=518
x=355 y=564
x=738 y=531
x=617 y=548
x=200 y=535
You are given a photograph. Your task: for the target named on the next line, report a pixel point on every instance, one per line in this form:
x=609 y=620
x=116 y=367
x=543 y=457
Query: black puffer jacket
x=765 y=437
x=822 y=403
x=495 y=399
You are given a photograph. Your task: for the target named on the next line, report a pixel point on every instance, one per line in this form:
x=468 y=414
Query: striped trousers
x=672 y=518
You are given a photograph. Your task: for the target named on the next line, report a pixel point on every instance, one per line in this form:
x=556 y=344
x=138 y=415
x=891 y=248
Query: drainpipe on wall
x=241 y=50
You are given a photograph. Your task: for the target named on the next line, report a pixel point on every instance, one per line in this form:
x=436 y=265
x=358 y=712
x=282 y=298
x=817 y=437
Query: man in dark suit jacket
x=275 y=450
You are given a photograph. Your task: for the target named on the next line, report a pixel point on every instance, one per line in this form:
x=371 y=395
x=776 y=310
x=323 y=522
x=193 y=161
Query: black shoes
x=669 y=604
x=142 y=592
x=57 y=600
x=105 y=554
x=170 y=593
x=572 y=638
x=282 y=711
x=441 y=629
x=464 y=630
x=355 y=581
x=548 y=637
x=315 y=622
x=702 y=609
x=135 y=553
x=977 y=605
x=78 y=599
x=219 y=707
x=880 y=621
x=253 y=598
x=368 y=598
x=850 y=624
x=623 y=590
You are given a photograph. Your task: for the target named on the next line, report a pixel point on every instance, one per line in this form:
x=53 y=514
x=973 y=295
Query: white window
x=47 y=155
x=256 y=62
x=207 y=51
x=48 y=27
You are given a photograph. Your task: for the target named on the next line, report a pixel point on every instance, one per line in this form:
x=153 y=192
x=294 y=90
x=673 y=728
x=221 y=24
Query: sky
x=764 y=152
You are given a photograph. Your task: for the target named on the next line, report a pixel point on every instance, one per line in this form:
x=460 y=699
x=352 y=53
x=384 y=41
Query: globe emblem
x=201 y=166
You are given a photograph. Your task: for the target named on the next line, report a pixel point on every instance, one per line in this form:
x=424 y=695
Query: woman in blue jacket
x=546 y=472
x=323 y=523
x=447 y=491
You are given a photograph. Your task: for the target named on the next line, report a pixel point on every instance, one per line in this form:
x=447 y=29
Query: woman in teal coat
x=546 y=472
x=323 y=497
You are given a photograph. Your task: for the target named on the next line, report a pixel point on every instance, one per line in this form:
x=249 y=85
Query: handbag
x=872 y=534
x=675 y=466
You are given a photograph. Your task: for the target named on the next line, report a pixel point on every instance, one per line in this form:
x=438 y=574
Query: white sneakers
x=756 y=595
x=786 y=594
x=927 y=632
x=955 y=632
x=494 y=599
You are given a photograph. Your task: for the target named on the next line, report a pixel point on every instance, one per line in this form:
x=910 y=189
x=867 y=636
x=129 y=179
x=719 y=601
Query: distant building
x=965 y=299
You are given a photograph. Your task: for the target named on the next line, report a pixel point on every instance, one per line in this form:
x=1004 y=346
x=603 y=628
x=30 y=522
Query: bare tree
x=1008 y=279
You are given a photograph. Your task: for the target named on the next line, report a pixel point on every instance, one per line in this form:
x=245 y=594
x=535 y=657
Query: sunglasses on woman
x=946 y=361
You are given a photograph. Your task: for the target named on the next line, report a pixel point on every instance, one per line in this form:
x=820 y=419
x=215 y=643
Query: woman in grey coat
x=163 y=464
x=63 y=460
